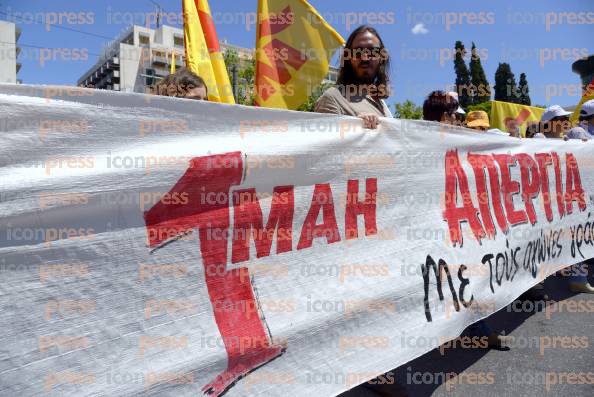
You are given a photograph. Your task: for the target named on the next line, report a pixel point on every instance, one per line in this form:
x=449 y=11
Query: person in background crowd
x=363 y=80
x=478 y=120
x=533 y=130
x=460 y=113
x=587 y=117
x=585 y=129
x=577 y=133
x=183 y=84
x=513 y=128
x=555 y=122
x=441 y=107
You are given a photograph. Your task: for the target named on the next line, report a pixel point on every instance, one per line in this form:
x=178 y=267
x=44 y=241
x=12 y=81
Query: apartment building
x=9 y=52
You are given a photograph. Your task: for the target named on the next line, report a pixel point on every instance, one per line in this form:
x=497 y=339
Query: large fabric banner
x=167 y=247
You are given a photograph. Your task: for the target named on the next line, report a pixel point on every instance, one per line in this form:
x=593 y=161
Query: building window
x=144 y=40
x=178 y=41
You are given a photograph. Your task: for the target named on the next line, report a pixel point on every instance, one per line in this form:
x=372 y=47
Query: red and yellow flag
x=294 y=46
x=504 y=115
x=203 y=54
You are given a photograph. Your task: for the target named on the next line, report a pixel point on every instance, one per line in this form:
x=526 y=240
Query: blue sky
x=540 y=38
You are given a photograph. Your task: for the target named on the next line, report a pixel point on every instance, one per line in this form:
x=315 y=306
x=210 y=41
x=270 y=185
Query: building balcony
x=161 y=72
x=109 y=79
x=110 y=64
x=159 y=60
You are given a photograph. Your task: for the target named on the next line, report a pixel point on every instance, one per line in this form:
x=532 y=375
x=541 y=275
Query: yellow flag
x=172 y=71
x=216 y=56
x=588 y=94
x=294 y=47
x=198 y=54
x=504 y=114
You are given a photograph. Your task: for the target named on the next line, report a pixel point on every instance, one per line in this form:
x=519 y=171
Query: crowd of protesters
x=361 y=89
x=363 y=85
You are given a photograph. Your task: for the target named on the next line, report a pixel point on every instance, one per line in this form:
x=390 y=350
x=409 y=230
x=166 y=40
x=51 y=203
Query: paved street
x=538 y=365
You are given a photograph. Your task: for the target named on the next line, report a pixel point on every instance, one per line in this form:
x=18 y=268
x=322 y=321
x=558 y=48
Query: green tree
x=462 y=76
x=524 y=91
x=505 y=84
x=408 y=110
x=232 y=61
x=231 y=58
x=482 y=89
x=246 y=70
x=485 y=106
x=247 y=80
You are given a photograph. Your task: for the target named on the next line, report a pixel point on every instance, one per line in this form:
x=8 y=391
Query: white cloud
x=419 y=28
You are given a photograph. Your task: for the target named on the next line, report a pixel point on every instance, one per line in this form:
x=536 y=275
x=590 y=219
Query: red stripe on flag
x=208 y=27
x=286 y=17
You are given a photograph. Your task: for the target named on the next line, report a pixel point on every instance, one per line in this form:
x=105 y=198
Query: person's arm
x=327 y=104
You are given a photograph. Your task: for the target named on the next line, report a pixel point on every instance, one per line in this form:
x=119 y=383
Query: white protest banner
x=168 y=247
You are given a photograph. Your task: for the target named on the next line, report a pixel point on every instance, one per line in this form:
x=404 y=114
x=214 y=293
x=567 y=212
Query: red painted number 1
x=231 y=295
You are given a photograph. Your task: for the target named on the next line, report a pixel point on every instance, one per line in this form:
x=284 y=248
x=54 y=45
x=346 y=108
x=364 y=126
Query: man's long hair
x=347 y=76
